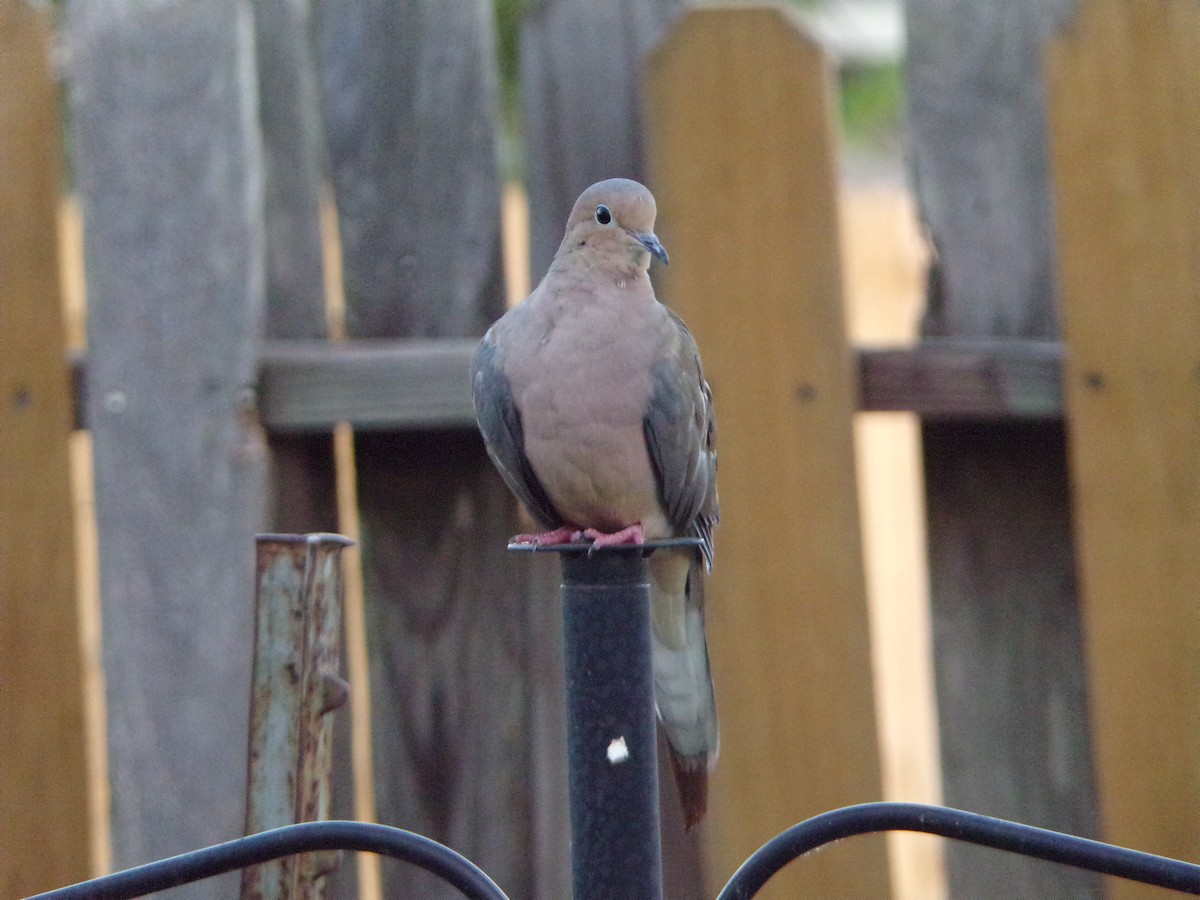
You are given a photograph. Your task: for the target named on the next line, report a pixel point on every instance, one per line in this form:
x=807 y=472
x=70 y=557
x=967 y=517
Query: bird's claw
x=564 y=534
x=632 y=534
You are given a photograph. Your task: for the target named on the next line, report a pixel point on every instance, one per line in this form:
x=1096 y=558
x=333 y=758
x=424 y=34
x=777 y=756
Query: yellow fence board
x=740 y=124
x=1125 y=126
x=44 y=812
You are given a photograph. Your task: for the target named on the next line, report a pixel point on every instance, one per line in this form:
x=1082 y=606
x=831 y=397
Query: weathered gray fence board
x=1012 y=696
x=168 y=168
x=976 y=104
x=468 y=747
x=410 y=95
x=970 y=379
x=310 y=386
x=1008 y=658
x=293 y=163
x=463 y=639
x=581 y=103
x=390 y=385
x=302 y=483
x=411 y=384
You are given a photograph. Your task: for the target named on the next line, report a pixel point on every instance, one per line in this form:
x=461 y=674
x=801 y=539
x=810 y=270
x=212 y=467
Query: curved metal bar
x=280 y=842
x=972 y=828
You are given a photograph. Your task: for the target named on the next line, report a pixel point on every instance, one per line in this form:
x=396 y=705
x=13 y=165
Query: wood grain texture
x=740 y=120
x=44 y=826
x=1125 y=124
x=309 y=386
x=466 y=667
x=410 y=94
x=1012 y=707
x=293 y=166
x=581 y=103
x=167 y=161
x=1012 y=693
x=464 y=641
x=399 y=385
x=302 y=482
x=977 y=144
x=374 y=385
x=964 y=379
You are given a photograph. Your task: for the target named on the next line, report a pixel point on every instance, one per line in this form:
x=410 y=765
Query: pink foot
x=565 y=534
x=631 y=535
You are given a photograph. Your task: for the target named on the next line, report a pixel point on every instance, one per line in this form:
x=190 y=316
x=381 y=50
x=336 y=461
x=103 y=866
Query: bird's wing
x=681 y=439
x=500 y=422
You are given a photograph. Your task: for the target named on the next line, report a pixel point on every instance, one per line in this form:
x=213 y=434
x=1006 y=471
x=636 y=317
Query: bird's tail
x=683 y=689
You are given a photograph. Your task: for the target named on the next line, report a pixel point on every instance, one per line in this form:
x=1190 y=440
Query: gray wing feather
x=680 y=433
x=500 y=423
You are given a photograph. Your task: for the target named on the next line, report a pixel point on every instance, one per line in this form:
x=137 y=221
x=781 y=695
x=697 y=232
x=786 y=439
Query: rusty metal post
x=296 y=684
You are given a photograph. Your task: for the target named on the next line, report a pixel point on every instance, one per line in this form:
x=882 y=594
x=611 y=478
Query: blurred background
x=940 y=259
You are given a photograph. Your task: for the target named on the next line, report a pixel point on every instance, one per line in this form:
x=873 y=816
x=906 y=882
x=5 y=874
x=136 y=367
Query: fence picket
x=581 y=104
x=302 y=484
x=167 y=161
x=464 y=641
x=1008 y=656
x=1125 y=126
x=741 y=133
x=44 y=825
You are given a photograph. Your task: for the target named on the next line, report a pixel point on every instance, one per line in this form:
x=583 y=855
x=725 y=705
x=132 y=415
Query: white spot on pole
x=618 y=750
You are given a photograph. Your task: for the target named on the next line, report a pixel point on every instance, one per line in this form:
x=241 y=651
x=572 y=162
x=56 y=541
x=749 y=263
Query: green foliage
x=508 y=35
x=872 y=99
x=508 y=47
x=871 y=96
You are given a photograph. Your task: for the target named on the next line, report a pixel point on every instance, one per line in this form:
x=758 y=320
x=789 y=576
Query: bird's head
x=613 y=221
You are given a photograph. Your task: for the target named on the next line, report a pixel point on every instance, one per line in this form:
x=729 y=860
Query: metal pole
x=612 y=760
x=616 y=849
x=296 y=686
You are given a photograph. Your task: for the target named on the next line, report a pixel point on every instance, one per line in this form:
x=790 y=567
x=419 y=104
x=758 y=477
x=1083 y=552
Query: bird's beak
x=650 y=242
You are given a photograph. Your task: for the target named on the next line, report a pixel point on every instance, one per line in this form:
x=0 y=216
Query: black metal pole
x=612 y=760
x=616 y=850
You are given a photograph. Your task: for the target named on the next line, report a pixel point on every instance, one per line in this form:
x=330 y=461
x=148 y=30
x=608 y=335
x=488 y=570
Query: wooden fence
x=223 y=397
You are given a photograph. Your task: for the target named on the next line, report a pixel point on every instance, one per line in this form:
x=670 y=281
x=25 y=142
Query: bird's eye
x=603 y=216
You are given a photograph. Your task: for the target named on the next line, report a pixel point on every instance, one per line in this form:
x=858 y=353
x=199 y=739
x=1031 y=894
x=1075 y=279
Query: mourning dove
x=593 y=407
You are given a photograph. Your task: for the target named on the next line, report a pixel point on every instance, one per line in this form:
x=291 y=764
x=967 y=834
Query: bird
x=593 y=406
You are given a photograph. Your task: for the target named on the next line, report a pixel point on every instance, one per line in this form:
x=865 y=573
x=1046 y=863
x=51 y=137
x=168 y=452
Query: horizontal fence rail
x=422 y=383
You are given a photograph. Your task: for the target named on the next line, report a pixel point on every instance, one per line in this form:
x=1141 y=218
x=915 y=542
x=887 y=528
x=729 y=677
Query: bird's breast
x=586 y=385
